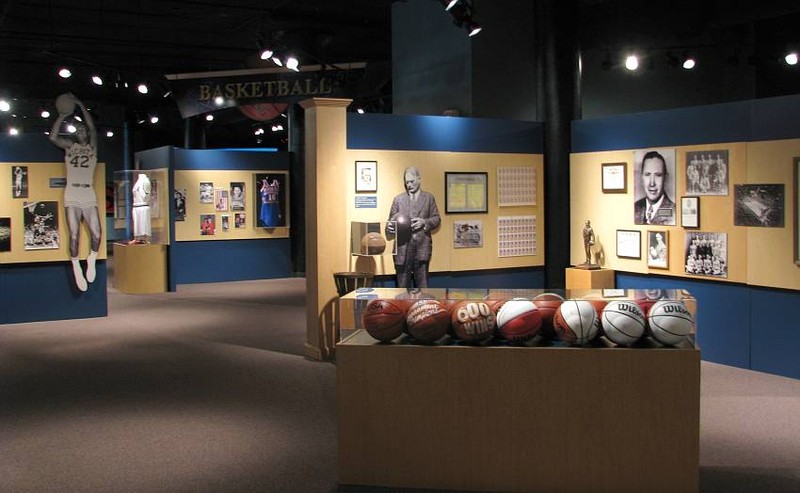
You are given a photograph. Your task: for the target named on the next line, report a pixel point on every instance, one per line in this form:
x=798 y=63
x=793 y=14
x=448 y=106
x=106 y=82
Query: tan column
x=327 y=232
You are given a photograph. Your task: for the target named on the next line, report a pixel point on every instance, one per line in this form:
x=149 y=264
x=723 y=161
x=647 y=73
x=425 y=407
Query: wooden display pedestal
x=140 y=269
x=518 y=418
x=589 y=279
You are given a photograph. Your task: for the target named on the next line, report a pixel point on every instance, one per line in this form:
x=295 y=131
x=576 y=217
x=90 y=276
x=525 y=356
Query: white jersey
x=80 y=160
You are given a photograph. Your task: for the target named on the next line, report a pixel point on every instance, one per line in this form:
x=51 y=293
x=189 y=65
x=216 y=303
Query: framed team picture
x=657 y=249
x=690 y=212
x=706 y=254
x=707 y=172
x=366 y=176
x=272 y=190
x=40 y=222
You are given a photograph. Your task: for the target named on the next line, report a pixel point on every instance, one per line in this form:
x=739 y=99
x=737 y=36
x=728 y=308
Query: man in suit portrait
x=412 y=218
x=655 y=207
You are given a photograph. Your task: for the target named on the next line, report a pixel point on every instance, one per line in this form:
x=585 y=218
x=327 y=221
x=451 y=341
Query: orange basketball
x=472 y=321
x=373 y=244
x=548 y=304
x=384 y=320
x=427 y=321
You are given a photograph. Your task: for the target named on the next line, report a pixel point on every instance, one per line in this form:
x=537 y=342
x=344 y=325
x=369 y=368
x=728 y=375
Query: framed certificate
x=615 y=177
x=690 y=212
x=629 y=244
x=466 y=192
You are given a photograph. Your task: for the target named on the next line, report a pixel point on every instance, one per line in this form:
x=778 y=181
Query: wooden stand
x=518 y=418
x=140 y=269
x=589 y=279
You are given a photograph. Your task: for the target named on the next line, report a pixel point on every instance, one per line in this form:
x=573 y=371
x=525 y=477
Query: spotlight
x=632 y=62
x=209 y=117
x=98 y=81
x=153 y=119
x=45 y=114
x=71 y=128
x=292 y=63
x=65 y=73
x=473 y=28
x=791 y=58
x=142 y=88
x=4 y=105
x=13 y=131
x=109 y=134
x=219 y=101
x=277 y=61
x=450 y=4
x=688 y=62
x=266 y=54
x=167 y=94
x=360 y=111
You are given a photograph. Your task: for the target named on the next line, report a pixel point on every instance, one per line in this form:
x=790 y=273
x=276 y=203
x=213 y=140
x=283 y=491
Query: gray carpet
x=207 y=389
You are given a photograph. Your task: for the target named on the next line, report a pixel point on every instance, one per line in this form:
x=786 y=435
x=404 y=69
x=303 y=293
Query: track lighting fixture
x=44 y=114
x=688 y=62
x=473 y=28
x=266 y=54
x=142 y=88
x=4 y=105
x=462 y=13
x=632 y=62
x=449 y=4
x=292 y=63
x=109 y=133
x=65 y=73
x=209 y=117
x=791 y=58
x=97 y=80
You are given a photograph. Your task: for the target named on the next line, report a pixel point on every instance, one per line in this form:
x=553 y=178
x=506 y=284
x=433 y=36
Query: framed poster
x=758 y=205
x=690 y=212
x=272 y=190
x=615 y=177
x=707 y=172
x=706 y=254
x=179 y=202
x=19 y=180
x=466 y=192
x=40 y=225
x=467 y=234
x=629 y=244
x=657 y=249
x=366 y=176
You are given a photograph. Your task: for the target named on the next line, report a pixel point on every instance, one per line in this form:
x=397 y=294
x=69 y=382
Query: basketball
x=645 y=304
x=575 y=322
x=599 y=305
x=384 y=319
x=670 y=322
x=65 y=104
x=427 y=321
x=519 y=320
x=403 y=229
x=373 y=244
x=472 y=321
x=548 y=304
x=623 y=322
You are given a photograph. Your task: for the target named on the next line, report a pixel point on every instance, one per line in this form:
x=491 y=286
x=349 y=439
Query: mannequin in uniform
x=141 y=209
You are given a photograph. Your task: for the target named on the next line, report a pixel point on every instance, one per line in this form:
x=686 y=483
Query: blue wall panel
x=440 y=133
x=46 y=291
x=230 y=260
x=222 y=159
x=775 y=323
x=776 y=118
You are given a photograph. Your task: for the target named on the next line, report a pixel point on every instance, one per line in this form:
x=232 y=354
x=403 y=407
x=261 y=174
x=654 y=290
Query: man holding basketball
x=412 y=217
x=80 y=199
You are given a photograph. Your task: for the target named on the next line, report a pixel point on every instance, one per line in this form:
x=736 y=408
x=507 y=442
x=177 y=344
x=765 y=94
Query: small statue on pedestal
x=588 y=243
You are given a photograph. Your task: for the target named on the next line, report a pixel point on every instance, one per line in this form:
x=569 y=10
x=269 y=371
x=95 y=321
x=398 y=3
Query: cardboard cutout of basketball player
x=80 y=199
x=412 y=218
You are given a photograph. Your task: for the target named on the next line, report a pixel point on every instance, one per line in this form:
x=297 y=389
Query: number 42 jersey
x=80 y=160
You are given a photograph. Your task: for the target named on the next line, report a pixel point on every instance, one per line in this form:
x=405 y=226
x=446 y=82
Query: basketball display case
x=502 y=415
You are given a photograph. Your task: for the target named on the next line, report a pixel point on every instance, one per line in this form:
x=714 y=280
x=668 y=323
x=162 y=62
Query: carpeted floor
x=207 y=389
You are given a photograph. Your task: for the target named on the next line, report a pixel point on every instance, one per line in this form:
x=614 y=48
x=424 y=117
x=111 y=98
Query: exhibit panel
x=482 y=414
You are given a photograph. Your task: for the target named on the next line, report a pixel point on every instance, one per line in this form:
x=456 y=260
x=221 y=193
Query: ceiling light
x=791 y=58
x=266 y=54
x=689 y=63
x=98 y=81
x=473 y=28
x=360 y=111
x=65 y=73
x=209 y=117
x=4 y=105
x=142 y=88
x=219 y=101
x=450 y=4
x=292 y=63
x=13 y=131
x=71 y=128
x=167 y=94
x=109 y=134
x=153 y=119
x=45 y=114
x=277 y=61
x=631 y=62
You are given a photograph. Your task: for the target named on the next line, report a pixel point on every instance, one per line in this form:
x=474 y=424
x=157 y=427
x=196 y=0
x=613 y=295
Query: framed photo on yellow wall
x=366 y=176
x=657 y=249
x=615 y=177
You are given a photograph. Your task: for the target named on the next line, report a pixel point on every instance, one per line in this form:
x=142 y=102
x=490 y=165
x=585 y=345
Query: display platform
x=140 y=268
x=533 y=416
x=589 y=278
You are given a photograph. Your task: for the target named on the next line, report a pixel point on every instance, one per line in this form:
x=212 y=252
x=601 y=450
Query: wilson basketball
x=519 y=320
x=472 y=321
x=670 y=322
x=384 y=319
x=548 y=304
x=65 y=104
x=373 y=244
x=427 y=321
x=623 y=322
x=576 y=322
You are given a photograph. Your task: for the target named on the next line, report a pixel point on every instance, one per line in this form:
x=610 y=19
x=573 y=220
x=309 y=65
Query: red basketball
x=384 y=319
x=472 y=321
x=427 y=321
x=519 y=320
x=645 y=304
x=548 y=304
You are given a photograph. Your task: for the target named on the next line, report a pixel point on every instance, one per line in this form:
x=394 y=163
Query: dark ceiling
x=143 y=40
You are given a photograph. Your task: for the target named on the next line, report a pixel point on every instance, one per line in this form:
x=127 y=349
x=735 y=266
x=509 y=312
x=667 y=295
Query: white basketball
x=623 y=322
x=576 y=322
x=512 y=309
x=670 y=322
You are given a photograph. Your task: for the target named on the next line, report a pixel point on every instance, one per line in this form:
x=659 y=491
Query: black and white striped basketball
x=670 y=322
x=623 y=322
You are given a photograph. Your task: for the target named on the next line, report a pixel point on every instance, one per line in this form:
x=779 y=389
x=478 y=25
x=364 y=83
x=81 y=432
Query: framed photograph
x=707 y=172
x=706 y=254
x=271 y=204
x=467 y=234
x=40 y=224
x=654 y=187
x=797 y=211
x=690 y=212
x=221 y=200
x=466 y=192
x=208 y=224
x=225 y=222
x=5 y=234
x=179 y=202
x=366 y=176
x=19 y=181
x=237 y=196
x=629 y=244
x=758 y=205
x=206 y=191
x=657 y=249
x=615 y=177
x=239 y=220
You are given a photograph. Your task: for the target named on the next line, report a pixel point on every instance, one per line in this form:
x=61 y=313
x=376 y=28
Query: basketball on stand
x=384 y=320
x=548 y=304
x=472 y=321
x=576 y=322
x=670 y=322
x=623 y=322
x=373 y=244
x=519 y=320
x=427 y=321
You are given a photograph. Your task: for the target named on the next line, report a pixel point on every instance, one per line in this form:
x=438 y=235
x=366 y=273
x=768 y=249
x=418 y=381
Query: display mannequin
x=141 y=209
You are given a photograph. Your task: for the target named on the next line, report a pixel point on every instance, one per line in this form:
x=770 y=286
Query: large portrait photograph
x=707 y=254
x=707 y=172
x=654 y=187
x=759 y=205
x=40 y=222
x=271 y=200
